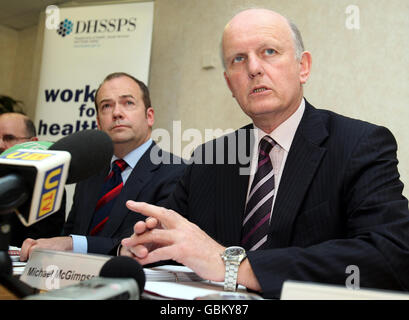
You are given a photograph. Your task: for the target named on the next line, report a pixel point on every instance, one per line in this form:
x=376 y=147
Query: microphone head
x=124 y=267
x=33 y=145
x=91 y=151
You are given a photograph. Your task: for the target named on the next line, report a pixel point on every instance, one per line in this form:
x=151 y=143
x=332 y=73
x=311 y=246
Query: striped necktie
x=110 y=190
x=260 y=200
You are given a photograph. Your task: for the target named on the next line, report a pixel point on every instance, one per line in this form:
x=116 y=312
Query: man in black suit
x=336 y=199
x=124 y=112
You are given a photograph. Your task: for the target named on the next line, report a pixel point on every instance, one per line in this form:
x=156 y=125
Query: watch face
x=234 y=251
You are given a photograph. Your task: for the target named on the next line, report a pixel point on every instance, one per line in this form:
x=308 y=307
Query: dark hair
x=30 y=127
x=145 y=91
x=8 y=104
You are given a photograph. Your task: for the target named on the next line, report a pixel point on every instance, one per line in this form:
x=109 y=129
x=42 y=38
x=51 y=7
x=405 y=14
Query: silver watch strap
x=230 y=277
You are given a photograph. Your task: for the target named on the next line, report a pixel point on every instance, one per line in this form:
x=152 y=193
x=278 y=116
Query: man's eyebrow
x=105 y=100
x=122 y=96
x=127 y=96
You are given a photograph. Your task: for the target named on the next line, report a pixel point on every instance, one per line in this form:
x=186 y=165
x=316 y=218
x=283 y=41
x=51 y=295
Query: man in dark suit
x=334 y=199
x=99 y=219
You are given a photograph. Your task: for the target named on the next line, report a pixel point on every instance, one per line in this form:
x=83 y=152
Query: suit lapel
x=140 y=176
x=93 y=190
x=231 y=188
x=302 y=162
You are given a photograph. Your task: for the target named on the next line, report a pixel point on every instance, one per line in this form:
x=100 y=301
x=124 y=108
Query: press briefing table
x=167 y=282
x=175 y=282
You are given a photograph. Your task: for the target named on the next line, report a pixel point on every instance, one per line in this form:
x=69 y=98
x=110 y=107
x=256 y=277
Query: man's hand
x=166 y=235
x=141 y=251
x=57 y=243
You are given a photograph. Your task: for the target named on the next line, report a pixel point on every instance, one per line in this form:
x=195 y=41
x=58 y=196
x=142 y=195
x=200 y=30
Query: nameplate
x=49 y=270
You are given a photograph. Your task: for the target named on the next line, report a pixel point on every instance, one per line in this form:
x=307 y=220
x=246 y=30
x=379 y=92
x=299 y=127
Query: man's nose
x=255 y=67
x=117 y=111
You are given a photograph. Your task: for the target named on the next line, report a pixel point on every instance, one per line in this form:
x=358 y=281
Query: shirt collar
x=133 y=157
x=284 y=133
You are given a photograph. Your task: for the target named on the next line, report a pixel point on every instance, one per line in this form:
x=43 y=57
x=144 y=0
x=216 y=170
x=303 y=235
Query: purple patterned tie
x=260 y=200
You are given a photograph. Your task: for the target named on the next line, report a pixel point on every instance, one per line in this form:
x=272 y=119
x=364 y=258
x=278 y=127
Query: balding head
x=247 y=18
x=15 y=128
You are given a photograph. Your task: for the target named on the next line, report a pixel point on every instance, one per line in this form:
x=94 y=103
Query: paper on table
x=180 y=282
x=18 y=267
x=194 y=290
x=171 y=273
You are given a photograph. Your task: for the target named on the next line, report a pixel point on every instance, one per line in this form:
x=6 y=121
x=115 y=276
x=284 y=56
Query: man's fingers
x=155 y=232
x=134 y=252
x=140 y=227
x=162 y=215
x=143 y=226
x=26 y=248
x=125 y=252
x=139 y=251
x=152 y=223
x=157 y=236
x=160 y=254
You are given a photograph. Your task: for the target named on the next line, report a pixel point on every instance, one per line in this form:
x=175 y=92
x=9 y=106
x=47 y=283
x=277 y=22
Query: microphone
x=124 y=267
x=32 y=183
x=17 y=191
x=32 y=145
x=120 y=278
x=32 y=180
x=91 y=151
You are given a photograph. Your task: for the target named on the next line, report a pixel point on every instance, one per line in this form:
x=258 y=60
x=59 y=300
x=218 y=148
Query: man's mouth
x=119 y=125
x=259 y=90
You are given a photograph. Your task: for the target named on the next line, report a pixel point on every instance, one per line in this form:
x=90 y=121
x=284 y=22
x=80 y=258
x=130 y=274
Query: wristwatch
x=232 y=257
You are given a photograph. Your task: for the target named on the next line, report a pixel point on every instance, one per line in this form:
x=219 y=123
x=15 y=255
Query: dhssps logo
x=65 y=28
x=86 y=27
x=91 y=27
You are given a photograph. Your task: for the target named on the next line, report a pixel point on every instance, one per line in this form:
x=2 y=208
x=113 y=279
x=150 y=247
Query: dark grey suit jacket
x=339 y=203
x=149 y=182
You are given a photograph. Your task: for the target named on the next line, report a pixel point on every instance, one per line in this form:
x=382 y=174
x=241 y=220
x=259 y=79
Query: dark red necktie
x=110 y=190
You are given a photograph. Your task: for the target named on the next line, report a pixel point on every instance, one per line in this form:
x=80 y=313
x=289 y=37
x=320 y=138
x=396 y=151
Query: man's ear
x=150 y=116
x=98 y=125
x=305 y=66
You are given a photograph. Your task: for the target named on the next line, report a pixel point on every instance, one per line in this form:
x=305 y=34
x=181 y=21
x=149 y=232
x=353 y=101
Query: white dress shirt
x=283 y=135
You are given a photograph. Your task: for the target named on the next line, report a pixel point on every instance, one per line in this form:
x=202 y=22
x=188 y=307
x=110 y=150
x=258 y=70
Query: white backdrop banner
x=80 y=49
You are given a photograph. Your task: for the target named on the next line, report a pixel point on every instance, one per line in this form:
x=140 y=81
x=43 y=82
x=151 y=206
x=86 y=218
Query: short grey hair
x=298 y=43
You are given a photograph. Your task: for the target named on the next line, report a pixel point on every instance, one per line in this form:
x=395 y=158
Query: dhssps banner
x=80 y=49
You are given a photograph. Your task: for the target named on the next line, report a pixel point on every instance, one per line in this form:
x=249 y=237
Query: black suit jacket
x=339 y=203
x=148 y=182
